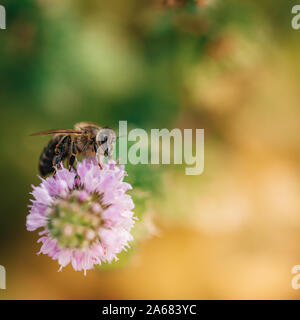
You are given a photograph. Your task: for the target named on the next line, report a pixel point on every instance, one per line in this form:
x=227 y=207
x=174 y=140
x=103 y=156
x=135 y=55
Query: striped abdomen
x=50 y=152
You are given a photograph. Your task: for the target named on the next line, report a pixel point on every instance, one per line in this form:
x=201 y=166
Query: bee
x=85 y=139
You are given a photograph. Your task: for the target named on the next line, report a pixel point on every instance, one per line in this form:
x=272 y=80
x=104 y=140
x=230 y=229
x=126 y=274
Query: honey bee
x=85 y=139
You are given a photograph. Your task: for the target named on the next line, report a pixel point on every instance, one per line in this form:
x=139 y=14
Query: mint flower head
x=86 y=215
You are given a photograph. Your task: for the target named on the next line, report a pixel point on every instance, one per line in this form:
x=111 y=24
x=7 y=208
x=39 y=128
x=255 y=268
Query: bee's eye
x=86 y=131
x=105 y=136
x=104 y=139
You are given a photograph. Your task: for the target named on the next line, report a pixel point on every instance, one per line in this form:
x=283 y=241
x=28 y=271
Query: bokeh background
x=231 y=67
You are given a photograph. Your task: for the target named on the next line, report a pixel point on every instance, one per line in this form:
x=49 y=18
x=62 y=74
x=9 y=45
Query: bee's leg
x=71 y=162
x=73 y=155
x=60 y=151
x=56 y=162
x=96 y=150
x=98 y=157
x=95 y=147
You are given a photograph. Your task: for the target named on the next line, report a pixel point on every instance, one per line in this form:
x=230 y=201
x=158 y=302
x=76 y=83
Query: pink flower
x=86 y=215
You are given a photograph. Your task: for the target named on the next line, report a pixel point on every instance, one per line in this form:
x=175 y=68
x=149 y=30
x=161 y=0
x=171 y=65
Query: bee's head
x=106 y=140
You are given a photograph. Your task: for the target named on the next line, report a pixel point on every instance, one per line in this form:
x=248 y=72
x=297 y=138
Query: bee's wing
x=57 y=131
